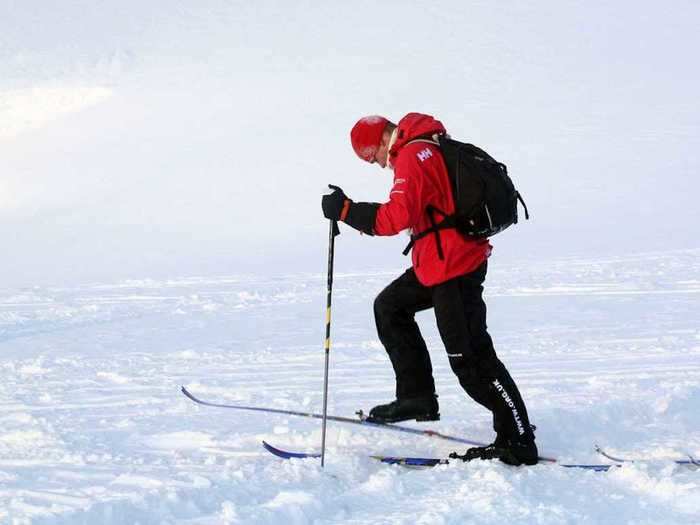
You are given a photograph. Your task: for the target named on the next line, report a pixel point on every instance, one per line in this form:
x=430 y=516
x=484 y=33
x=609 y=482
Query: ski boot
x=418 y=408
x=511 y=452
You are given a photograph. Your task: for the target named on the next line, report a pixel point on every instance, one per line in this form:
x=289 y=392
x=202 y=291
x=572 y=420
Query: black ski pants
x=460 y=312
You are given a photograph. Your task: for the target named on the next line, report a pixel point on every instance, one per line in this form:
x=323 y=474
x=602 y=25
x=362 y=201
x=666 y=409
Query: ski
x=404 y=460
x=691 y=461
x=414 y=462
x=433 y=462
x=360 y=420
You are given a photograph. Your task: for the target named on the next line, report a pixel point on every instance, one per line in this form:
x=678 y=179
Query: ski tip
x=274 y=450
x=284 y=454
x=267 y=446
x=187 y=393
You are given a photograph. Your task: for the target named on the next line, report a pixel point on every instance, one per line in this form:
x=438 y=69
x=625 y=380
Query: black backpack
x=486 y=202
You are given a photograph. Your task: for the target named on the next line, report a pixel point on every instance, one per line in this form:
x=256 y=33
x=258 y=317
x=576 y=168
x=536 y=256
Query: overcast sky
x=169 y=138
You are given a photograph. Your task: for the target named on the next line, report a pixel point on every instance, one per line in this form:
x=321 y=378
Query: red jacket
x=420 y=179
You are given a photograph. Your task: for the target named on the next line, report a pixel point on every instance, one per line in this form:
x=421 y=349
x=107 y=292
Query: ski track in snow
x=93 y=428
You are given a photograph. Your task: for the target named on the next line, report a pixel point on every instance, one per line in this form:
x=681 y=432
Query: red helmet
x=366 y=136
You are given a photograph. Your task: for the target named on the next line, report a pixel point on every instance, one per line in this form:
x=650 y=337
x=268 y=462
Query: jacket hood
x=412 y=126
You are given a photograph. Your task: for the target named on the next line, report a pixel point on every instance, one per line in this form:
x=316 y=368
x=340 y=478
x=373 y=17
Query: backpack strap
x=430 y=139
x=520 y=198
x=447 y=222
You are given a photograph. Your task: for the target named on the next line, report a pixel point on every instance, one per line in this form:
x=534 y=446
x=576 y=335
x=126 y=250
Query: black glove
x=333 y=203
x=359 y=215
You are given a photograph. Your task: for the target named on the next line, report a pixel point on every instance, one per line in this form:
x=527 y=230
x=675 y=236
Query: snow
x=94 y=429
x=160 y=169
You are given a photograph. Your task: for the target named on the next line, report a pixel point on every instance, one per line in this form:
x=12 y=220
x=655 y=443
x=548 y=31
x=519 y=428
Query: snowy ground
x=142 y=138
x=94 y=430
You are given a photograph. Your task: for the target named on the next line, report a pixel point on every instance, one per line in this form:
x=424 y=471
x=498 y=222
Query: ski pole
x=331 y=252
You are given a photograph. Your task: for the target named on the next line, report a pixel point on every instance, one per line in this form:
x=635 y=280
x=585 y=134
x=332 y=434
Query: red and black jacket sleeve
x=361 y=216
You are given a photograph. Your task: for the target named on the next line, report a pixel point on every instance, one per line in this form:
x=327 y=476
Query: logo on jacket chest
x=425 y=154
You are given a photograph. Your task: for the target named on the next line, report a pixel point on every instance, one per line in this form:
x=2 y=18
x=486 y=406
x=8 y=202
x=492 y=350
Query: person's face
x=382 y=154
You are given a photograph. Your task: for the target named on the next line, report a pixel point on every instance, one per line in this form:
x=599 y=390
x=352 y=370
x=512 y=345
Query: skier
x=447 y=275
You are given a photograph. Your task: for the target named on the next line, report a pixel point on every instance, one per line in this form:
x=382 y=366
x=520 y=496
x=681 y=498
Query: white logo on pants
x=511 y=405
